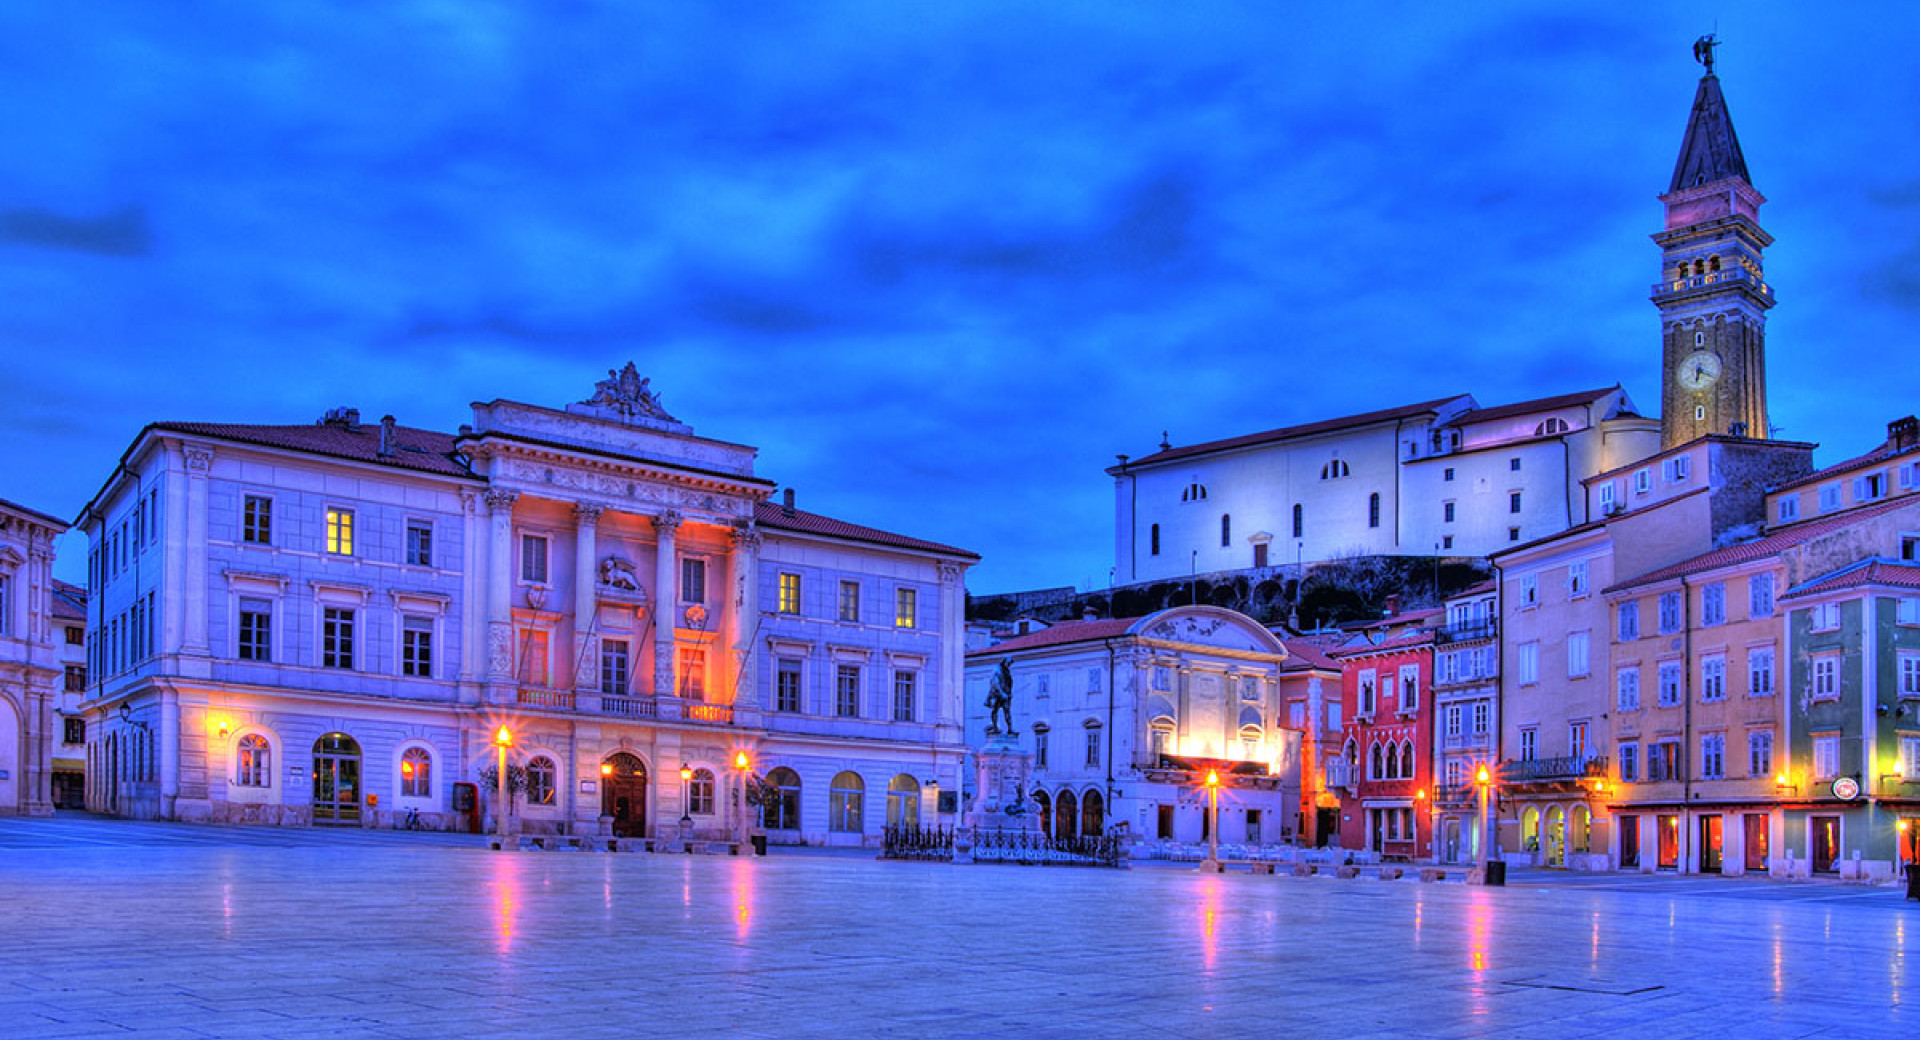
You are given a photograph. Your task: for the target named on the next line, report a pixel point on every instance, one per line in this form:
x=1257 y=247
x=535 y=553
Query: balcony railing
x=537 y=697
x=1466 y=630
x=1566 y=767
x=665 y=709
x=1711 y=278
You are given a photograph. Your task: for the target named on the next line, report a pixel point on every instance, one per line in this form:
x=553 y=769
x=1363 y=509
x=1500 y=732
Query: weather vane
x=1703 y=51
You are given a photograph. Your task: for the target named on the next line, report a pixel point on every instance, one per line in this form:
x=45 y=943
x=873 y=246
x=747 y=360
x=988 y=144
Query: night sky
x=940 y=262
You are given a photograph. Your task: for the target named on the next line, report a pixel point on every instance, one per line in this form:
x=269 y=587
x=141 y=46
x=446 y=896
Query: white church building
x=328 y=623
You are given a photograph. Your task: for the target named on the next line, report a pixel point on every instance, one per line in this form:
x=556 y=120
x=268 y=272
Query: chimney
x=786 y=502
x=1393 y=605
x=1903 y=433
x=386 y=435
x=347 y=417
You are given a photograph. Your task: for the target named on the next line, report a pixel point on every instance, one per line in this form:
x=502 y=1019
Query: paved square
x=144 y=931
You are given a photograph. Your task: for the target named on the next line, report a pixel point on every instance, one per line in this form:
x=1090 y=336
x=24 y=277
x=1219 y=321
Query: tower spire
x=1710 y=152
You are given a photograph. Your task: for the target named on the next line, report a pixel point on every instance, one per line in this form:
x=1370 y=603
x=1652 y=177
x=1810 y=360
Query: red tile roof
x=1424 y=637
x=774 y=515
x=1285 y=433
x=1061 y=634
x=1544 y=404
x=1874 y=571
x=1760 y=548
x=1304 y=655
x=426 y=451
x=69 y=601
x=1878 y=455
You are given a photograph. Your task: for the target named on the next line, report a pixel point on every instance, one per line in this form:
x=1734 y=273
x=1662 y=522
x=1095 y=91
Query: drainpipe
x=1686 y=726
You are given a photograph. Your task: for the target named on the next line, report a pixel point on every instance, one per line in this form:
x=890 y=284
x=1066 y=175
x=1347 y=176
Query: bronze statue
x=1000 y=701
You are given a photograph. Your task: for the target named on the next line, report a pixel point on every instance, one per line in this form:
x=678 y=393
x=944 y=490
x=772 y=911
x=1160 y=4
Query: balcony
x=1547 y=770
x=1700 y=282
x=1466 y=631
x=1456 y=796
x=652 y=709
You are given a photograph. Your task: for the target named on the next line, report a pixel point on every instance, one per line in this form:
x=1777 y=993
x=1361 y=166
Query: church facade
x=332 y=624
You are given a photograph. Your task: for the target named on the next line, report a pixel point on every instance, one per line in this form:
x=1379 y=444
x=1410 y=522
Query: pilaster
x=199 y=461
x=586 y=638
x=664 y=600
x=743 y=614
x=500 y=584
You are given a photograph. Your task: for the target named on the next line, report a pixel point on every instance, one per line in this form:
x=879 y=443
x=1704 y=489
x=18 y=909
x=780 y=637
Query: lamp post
x=1483 y=779
x=1421 y=797
x=1212 y=865
x=686 y=791
x=741 y=765
x=502 y=741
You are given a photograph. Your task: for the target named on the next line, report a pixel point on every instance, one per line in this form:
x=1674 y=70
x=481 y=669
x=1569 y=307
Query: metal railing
x=917 y=843
x=1565 y=767
x=1031 y=847
x=668 y=709
x=1465 y=631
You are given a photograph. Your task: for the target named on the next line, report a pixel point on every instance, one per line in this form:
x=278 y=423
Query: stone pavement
x=153 y=932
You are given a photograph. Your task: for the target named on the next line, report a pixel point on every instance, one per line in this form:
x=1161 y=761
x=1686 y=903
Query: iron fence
x=935 y=843
x=1031 y=847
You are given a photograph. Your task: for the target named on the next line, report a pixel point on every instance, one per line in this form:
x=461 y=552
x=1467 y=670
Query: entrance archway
x=1043 y=804
x=1554 y=841
x=1092 y=814
x=623 y=794
x=336 y=779
x=1066 y=811
x=1530 y=829
x=12 y=778
x=903 y=801
x=1580 y=829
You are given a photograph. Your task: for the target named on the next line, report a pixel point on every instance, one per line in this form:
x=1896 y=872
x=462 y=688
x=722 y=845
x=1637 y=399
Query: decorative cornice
x=588 y=513
x=667 y=522
x=501 y=500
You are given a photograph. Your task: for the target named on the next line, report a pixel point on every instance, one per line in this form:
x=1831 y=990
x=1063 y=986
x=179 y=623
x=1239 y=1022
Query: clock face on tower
x=1698 y=370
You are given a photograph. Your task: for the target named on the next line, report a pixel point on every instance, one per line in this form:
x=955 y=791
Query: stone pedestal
x=1002 y=777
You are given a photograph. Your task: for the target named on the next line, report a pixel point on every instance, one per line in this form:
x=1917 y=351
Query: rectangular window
x=1162 y=677
x=1829 y=498
x=1627 y=687
x=339 y=531
x=1669 y=683
x=1448 y=475
x=1577 y=654
x=533 y=559
x=1826 y=677
x=1826 y=756
x=1760 y=672
x=76 y=681
x=906 y=608
x=1093 y=748
x=1369 y=688
x=533 y=657
x=1713 y=677
x=1446 y=512
x=1454 y=718
x=1040 y=747
x=1713 y=603
x=1513 y=464
x=1513 y=534
x=74 y=731
x=1713 y=757
x=1760 y=753
x=904 y=685
x=1760 y=596
x=616 y=667
x=849 y=601
x=693 y=673
x=846 y=691
x=1669 y=612
x=1529 y=590
x=1446 y=541
x=1513 y=501
x=1608 y=497
x=1790 y=508
x=420 y=543
x=256 y=630
x=256 y=520
x=1529 y=662
x=1577 y=578
x=1577 y=741
x=1642 y=481
x=1909 y=755
x=1629 y=615
x=1528 y=745
x=416 y=646
x=336 y=638
x=693 y=580
x=1482 y=716
x=786 y=689
x=789 y=593
x=1409 y=687
x=1824 y=617
x=1908 y=611
x=1629 y=763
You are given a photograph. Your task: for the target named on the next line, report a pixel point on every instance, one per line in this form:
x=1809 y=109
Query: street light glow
x=1213 y=778
x=740 y=760
x=504 y=738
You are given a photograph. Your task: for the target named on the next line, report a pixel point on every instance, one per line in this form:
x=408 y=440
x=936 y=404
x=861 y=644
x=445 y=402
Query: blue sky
x=940 y=262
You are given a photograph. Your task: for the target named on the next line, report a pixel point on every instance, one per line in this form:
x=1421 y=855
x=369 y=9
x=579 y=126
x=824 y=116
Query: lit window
x=700 y=793
x=541 y=775
x=340 y=531
x=416 y=773
x=416 y=646
x=533 y=559
x=693 y=673
x=253 y=761
x=789 y=593
x=906 y=608
x=256 y=520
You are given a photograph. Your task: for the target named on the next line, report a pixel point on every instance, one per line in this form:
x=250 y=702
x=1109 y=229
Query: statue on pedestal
x=1000 y=701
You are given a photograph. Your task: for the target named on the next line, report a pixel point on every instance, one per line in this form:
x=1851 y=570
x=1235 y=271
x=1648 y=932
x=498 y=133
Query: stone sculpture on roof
x=625 y=392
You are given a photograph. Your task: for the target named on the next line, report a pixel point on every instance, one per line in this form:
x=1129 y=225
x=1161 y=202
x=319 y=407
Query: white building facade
x=329 y=623
x=30 y=673
x=1442 y=477
x=1124 y=718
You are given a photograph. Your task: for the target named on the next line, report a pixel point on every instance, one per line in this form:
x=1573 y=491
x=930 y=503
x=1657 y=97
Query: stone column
x=473 y=618
x=950 y=707
x=665 y=601
x=586 y=633
x=169 y=740
x=743 y=613
x=194 y=641
x=500 y=585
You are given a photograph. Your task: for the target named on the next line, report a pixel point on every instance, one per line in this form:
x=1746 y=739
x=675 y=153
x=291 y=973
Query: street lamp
x=502 y=740
x=741 y=765
x=1212 y=865
x=686 y=791
x=1483 y=779
x=1421 y=797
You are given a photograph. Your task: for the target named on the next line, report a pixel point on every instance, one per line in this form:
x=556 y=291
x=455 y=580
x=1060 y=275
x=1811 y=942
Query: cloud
x=122 y=233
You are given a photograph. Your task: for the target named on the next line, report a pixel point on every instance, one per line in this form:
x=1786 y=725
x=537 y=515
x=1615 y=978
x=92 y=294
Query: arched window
x=1043 y=803
x=1551 y=426
x=1250 y=743
x=416 y=773
x=540 y=780
x=1153 y=547
x=1226 y=530
x=1299 y=519
x=1335 y=469
x=1713 y=263
x=253 y=761
x=781 y=812
x=903 y=802
x=847 y=803
x=1377 y=767
x=1066 y=812
x=1160 y=732
x=1353 y=752
x=1373 y=509
x=1194 y=492
x=1406 y=760
x=1093 y=815
x=700 y=793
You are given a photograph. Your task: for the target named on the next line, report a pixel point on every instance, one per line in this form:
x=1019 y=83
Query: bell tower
x=1712 y=294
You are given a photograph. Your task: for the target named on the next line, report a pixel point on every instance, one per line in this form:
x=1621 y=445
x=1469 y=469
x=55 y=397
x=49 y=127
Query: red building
x=1386 y=679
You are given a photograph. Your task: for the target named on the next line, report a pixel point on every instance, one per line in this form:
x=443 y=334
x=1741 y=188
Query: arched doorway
x=903 y=801
x=1580 y=829
x=1530 y=829
x=781 y=812
x=1554 y=842
x=1044 y=806
x=1066 y=810
x=11 y=779
x=623 y=794
x=336 y=779
x=1093 y=816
